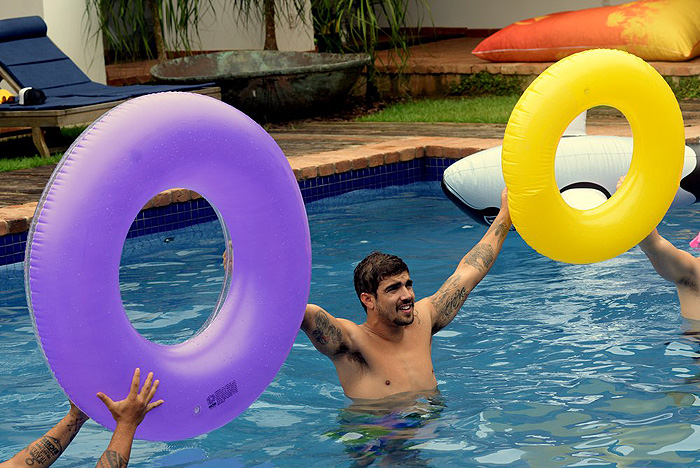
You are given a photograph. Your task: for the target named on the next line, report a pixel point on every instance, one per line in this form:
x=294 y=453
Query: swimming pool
x=546 y=365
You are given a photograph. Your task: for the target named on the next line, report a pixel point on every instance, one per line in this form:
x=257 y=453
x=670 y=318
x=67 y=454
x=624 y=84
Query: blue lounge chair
x=28 y=58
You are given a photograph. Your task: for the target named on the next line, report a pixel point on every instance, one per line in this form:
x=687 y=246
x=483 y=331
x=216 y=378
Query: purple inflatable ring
x=140 y=148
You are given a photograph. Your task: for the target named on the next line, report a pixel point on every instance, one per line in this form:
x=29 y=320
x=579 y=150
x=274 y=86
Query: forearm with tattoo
x=74 y=424
x=451 y=296
x=325 y=332
x=480 y=257
x=500 y=229
x=112 y=459
x=45 y=450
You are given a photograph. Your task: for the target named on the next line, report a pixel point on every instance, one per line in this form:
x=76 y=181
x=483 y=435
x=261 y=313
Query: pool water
x=546 y=365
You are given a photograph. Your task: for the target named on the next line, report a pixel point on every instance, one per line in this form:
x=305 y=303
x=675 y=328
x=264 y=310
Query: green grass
x=71 y=133
x=486 y=84
x=19 y=152
x=484 y=109
x=14 y=164
x=685 y=87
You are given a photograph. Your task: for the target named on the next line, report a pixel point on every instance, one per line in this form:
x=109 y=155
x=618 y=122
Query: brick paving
x=454 y=56
x=341 y=150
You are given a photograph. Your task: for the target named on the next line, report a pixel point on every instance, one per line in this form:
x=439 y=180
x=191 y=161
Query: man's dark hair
x=373 y=269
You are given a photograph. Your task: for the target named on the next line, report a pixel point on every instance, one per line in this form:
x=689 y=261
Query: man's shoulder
x=353 y=331
x=424 y=309
x=349 y=324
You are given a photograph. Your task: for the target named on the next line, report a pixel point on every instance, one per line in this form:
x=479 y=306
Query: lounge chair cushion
x=33 y=60
x=14 y=29
x=664 y=30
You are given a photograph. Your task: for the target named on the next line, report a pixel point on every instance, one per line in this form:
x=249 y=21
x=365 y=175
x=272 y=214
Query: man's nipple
x=388 y=382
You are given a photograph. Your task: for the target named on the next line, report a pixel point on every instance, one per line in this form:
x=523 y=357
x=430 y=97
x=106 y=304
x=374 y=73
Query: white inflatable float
x=587 y=169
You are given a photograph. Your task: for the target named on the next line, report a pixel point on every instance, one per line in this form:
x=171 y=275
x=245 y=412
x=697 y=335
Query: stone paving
x=344 y=146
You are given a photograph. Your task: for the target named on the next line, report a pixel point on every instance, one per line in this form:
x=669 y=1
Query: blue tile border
x=180 y=215
x=12 y=248
x=173 y=216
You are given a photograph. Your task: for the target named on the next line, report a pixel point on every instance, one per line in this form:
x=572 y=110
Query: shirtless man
x=677 y=266
x=390 y=352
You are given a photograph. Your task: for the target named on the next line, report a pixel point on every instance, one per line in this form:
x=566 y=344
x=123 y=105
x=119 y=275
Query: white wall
x=67 y=28
x=73 y=32
x=220 y=30
x=492 y=14
x=13 y=9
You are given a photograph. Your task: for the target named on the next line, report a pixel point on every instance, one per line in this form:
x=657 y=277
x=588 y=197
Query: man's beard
x=400 y=320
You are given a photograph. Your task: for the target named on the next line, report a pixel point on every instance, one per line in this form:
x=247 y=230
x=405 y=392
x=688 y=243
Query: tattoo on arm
x=480 y=257
x=74 y=426
x=447 y=302
x=112 y=459
x=325 y=331
x=501 y=231
x=43 y=451
x=449 y=299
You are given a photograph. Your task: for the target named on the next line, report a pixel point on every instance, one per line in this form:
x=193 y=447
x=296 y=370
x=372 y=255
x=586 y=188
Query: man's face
x=395 y=299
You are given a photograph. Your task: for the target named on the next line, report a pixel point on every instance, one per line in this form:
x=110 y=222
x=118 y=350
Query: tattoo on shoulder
x=325 y=332
x=112 y=459
x=43 y=451
x=480 y=257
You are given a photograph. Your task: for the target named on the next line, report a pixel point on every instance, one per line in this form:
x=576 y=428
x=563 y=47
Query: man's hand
x=128 y=413
x=227 y=258
x=619 y=183
x=132 y=409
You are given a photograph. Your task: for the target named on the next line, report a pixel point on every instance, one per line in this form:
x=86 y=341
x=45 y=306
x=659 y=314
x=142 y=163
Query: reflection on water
x=548 y=365
x=387 y=432
x=596 y=423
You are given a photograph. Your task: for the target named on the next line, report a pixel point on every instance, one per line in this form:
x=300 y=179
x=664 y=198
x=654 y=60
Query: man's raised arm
x=670 y=263
x=128 y=413
x=44 y=451
x=447 y=301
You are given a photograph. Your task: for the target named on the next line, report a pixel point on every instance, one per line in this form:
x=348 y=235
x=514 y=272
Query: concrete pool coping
x=16 y=219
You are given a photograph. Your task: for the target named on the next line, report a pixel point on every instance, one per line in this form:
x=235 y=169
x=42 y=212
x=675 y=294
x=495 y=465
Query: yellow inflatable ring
x=595 y=77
